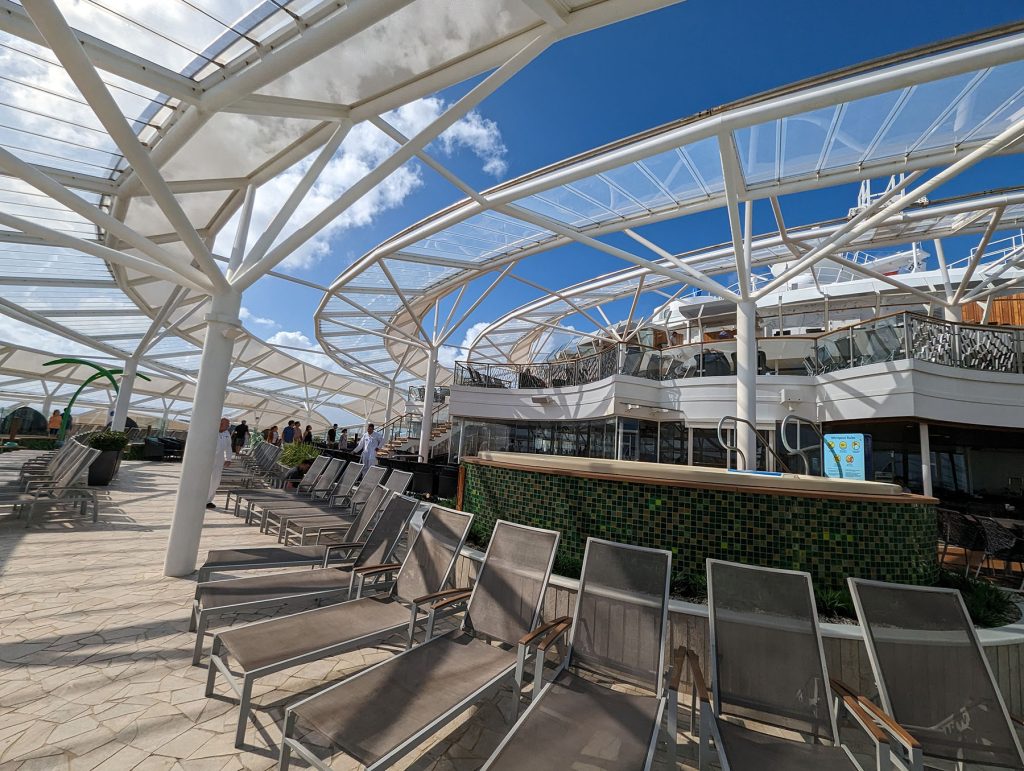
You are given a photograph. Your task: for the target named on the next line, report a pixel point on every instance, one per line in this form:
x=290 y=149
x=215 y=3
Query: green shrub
x=987 y=604
x=294 y=454
x=567 y=566
x=691 y=586
x=108 y=440
x=834 y=602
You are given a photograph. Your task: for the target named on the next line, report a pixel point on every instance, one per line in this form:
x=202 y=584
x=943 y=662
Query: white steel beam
x=65 y=46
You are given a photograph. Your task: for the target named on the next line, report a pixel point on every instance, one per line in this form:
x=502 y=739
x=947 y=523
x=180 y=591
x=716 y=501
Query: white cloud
x=449 y=354
x=365 y=148
x=246 y=315
x=310 y=352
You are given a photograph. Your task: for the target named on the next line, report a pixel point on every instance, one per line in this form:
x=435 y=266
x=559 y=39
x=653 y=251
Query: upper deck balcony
x=895 y=337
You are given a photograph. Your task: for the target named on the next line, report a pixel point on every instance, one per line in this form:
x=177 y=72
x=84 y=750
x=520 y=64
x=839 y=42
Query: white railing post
x=746 y=381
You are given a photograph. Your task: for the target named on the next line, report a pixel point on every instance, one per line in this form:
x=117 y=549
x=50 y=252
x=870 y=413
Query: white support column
x=124 y=395
x=427 y=423
x=48 y=406
x=746 y=380
x=187 y=525
x=926 y=458
x=389 y=404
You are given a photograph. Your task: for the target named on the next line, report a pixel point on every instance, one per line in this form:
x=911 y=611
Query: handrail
x=802 y=452
x=760 y=439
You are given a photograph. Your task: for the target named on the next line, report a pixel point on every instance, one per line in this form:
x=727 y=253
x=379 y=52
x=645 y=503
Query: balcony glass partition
x=890 y=338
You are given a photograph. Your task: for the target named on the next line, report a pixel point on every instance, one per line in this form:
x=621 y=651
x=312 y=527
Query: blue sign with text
x=846 y=456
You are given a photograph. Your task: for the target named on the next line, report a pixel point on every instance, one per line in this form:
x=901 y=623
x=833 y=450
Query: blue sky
x=635 y=75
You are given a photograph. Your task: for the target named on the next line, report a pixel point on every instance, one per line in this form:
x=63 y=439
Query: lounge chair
x=301 y=527
x=348 y=486
x=939 y=696
x=220 y=599
x=768 y=670
x=265 y=647
x=619 y=634
x=63 y=490
x=380 y=714
x=302 y=488
x=318 y=492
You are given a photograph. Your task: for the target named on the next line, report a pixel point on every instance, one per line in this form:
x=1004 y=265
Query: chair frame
x=547 y=634
x=385 y=573
x=914 y=760
x=459 y=597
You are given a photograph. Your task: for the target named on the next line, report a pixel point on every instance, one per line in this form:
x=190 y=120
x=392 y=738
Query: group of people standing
x=292 y=433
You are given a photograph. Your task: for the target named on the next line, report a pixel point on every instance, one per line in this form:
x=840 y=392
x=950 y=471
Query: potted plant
x=104 y=468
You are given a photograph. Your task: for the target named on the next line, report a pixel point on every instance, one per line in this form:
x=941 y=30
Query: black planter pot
x=104 y=468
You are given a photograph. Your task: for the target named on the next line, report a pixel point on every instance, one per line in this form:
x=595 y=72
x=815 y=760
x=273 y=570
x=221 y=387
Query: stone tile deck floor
x=95 y=651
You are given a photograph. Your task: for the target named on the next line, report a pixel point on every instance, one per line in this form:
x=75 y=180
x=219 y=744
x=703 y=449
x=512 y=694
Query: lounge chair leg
x=672 y=726
x=243 y=711
x=194 y=617
x=704 y=746
x=286 y=751
x=211 y=674
x=197 y=652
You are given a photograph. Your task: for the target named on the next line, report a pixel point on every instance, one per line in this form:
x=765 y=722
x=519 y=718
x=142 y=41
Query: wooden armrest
x=678 y=662
x=557 y=631
x=442 y=593
x=841 y=688
x=895 y=728
x=699 y=684
x=452 y=600
x=865 y=721
x=374 y=569
x=529 y=637
x=1019 y=721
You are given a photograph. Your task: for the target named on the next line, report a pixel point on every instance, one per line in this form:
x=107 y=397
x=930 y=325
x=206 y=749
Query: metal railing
x=889 y=338
x=800 y=451
x=734 y=447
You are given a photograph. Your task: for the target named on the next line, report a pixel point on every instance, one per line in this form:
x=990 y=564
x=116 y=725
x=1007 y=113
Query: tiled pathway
x=95 y=654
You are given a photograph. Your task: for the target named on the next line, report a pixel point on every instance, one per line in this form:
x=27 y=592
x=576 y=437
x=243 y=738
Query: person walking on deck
x=288 y=435
x=221 y=458
x=53 y=424
x=368 y=446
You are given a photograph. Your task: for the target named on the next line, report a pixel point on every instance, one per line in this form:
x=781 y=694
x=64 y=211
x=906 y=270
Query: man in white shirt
x=368 y=445
x=221 y=458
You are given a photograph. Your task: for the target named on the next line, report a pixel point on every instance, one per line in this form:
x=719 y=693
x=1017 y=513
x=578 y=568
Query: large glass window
x=672 y=442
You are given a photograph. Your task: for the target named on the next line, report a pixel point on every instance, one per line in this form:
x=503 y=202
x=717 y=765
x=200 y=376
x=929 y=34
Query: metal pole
x=389 y=404
x=190 y=506
x=746 y=380
x=926 y=458
x=426 y=424
x=124 y=394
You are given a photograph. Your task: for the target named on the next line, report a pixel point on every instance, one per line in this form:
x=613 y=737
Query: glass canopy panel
x=43 y=261
x=758 y=150
x=566 y=206
x=924 y=108
x=608 y=196
x=858 y=124
x=234 y=145
x=990 y=106
x=418 y=38
x=803 y=137
x=672 y=170
x=480 y=237
x=147 y=218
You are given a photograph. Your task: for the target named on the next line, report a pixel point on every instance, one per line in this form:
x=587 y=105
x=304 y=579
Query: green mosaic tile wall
x=832 y=539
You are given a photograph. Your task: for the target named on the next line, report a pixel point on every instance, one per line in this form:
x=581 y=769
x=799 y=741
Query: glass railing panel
x=990 y=350
x=932 y=340
x=785 y=355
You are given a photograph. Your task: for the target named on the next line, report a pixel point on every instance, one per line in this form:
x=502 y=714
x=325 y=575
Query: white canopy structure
x=923 y=117
x=131 y=133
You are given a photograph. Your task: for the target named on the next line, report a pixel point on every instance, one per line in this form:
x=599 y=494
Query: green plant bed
x=294 y=454
x=108 y=440
x=988 y=605
x=136 y=452
x=37 y=444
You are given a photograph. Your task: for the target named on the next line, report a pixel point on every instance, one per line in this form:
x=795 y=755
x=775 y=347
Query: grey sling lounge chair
x=336 y=481
x=768 y=668
x=619 y=634
x=304 y=486
x=300 y=527
x=62 y=490
x=217 y=599
x=933 y=678
x=265 y=647
x=323 y=552
x=276 y=515
x=380 y=714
